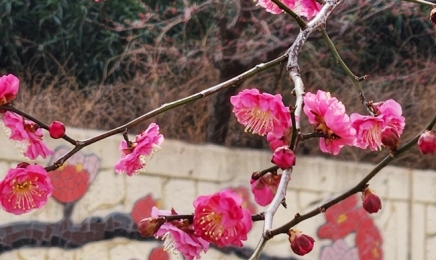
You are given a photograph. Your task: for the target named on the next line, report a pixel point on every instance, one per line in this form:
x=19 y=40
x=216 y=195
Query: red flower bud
x=301 y=244
x=390 y=138
x=371 y=202
x=148 y=226
x=56 y=130
x=283 y=157
x=427 y=142
x=22 y=165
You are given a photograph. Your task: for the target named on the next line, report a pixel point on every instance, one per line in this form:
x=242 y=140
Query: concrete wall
x=404 y=229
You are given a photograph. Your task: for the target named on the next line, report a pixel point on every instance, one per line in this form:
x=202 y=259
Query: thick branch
x=318 y=21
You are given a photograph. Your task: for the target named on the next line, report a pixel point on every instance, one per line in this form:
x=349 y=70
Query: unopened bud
x=148 y=226
x=283 y=157
x=371 y=202
x=22 y=165
x=390 y=138
x=301 y=244
x=427 y=142
x=56 y=130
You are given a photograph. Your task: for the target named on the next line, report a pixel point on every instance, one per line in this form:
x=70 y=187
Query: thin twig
x=168 y=106
x=355 y=79
x=31 y=118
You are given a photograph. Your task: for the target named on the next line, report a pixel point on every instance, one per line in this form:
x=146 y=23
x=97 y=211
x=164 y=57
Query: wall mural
x=345 y=220
x=71 y=182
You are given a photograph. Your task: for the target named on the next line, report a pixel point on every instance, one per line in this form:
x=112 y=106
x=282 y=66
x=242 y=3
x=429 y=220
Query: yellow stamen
x=23 y=194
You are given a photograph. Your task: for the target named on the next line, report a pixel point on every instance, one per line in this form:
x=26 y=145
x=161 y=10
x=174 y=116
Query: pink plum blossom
x=391 y=113
x=265 y=188
x=283 y=157
x=307 y=8
x=25 y=188
x=328 y=116
x=427 y=142
x=385 y=127
x=220 y=218
x=275 y=142
x=132 y=159
x=368 y=130
x=28 y=134
x=9 y=85
x=261 y=113
x=179 y=236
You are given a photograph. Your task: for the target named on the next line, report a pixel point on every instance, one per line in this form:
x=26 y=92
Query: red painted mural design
x=346 y=218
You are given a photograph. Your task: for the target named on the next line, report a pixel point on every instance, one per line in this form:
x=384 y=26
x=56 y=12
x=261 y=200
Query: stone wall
x=93 y=212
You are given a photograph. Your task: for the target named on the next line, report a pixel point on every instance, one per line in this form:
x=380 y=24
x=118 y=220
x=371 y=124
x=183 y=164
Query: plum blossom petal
x=307 y=8
x=25 y=188
x=261 y=113
x=265 y=188
x=384 y=128
x=27 y=134
x=220 y=219
x=179 y=236
x=133 y=157
x=9 y=85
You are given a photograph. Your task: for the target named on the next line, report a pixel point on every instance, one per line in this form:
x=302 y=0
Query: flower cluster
x=28 y=135
x=179 y=235
x=218 y=219
x=384 y=128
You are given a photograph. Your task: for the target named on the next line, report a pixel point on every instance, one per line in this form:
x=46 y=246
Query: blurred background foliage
x=101 y=64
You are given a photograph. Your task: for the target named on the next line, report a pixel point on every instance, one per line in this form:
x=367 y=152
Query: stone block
x=423 y=186
x=179 y=194
x=393 y=222
x=107 y=191
x=141 y=185
x=418 y=232
x=431 y=220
